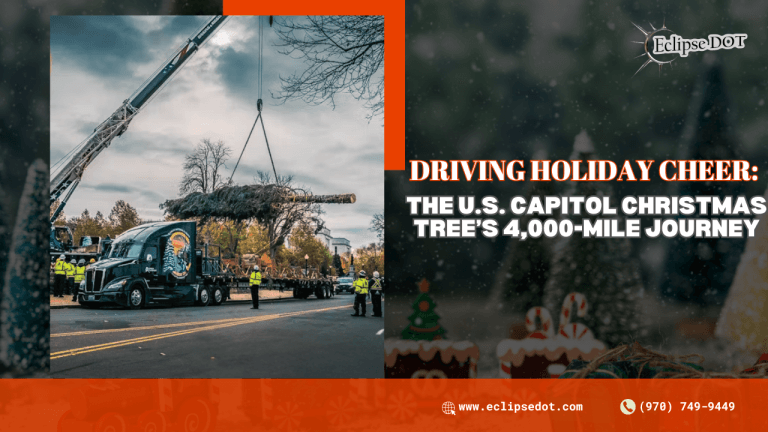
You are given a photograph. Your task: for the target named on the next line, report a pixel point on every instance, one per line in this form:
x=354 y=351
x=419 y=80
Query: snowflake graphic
x=401 y=405
x=340 y=411
x=288 y=416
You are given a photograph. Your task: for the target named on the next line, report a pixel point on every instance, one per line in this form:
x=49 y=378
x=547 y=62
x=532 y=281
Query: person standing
x=60 y=276
x=361 y=292
x=79 y=277
x=255 y=283
x=71 y=276
x=375 y=288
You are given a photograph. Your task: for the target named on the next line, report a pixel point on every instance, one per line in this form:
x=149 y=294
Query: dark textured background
x=503 y=79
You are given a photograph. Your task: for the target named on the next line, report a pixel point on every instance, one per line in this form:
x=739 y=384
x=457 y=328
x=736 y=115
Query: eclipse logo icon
x=656 y=43
x=648 y=52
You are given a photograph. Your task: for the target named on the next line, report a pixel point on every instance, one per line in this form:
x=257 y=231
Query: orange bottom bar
x=365 y=404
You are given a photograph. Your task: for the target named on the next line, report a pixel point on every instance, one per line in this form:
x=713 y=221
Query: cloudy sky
x=98 y=62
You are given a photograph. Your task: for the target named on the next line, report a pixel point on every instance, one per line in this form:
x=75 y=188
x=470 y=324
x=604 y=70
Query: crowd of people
x=68 y=275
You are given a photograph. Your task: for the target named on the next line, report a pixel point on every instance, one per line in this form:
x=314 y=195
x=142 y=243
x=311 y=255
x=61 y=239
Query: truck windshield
x=126 y=249
x=345 y=280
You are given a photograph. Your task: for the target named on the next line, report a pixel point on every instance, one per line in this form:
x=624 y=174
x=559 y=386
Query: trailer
x=156 y=263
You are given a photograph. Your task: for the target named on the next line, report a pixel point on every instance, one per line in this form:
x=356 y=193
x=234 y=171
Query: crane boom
x=68 y=177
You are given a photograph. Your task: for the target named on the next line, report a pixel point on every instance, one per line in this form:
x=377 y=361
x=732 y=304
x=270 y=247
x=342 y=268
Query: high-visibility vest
x=70 y=270
x=376 y=284
x=361 y=286
x=60 y=268
x=255 y=278
x=79 y=274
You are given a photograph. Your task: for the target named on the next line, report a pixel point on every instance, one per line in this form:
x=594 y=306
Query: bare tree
x=204 y=167
x=377 y=226
x=285 y=214
x=342 y=53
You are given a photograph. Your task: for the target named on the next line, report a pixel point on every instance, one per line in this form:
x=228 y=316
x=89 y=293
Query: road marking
x=153 y=327
x=116 y=344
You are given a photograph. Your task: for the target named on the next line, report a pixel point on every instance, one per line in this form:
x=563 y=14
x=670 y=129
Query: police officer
x=361 y=292
x=79 y=277
x=255 y=282
x=71 y=276
x=375 y=288
x=60 y=276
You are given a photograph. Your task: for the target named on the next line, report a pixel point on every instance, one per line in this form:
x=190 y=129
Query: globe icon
x=449 y=408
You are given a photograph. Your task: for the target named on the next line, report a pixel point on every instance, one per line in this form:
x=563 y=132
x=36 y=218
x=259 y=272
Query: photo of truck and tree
x=191 y=216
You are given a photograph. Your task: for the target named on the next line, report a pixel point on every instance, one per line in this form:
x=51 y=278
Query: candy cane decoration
x=581 y=307
x=575 y=331
x=547 y=330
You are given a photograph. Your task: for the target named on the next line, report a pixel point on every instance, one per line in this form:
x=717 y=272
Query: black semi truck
x=155 y=263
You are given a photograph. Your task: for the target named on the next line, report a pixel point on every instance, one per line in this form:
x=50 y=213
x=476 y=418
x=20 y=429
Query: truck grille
x=94 y=280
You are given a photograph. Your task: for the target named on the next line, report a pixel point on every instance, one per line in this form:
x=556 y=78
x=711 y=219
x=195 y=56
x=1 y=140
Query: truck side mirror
x=149 y=258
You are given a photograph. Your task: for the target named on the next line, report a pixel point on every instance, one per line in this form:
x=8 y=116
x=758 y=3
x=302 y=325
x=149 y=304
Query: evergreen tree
x=699 y=269
x=524 y=271
x=169 y=259
x=337 y=265
x=600 y=268
x=123 y=217
x=24 y=315
x=424 y=320
x=744 y=318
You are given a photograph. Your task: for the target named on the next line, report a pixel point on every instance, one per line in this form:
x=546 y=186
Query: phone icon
x=627 y=406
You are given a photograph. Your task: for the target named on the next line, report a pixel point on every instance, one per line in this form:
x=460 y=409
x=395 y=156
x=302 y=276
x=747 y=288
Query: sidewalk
x=235 y=298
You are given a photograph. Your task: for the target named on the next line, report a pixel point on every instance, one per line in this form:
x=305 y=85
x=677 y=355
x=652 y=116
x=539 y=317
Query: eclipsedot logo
x=663 y=41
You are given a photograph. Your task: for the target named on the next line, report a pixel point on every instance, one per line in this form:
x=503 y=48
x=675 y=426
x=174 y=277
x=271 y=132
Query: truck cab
x=154 y=263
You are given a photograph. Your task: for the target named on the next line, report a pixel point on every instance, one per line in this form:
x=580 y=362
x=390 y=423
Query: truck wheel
x=153 y=421
x=196 y=415
x=110 y=422
x=204 y=297
x=135 y=297
x=319 y=293
x=217 y=297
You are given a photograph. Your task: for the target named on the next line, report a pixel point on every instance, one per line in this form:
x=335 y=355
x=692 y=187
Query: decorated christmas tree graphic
x=424 y=320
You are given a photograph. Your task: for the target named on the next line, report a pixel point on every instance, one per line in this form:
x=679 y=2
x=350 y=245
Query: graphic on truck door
x=178 y=257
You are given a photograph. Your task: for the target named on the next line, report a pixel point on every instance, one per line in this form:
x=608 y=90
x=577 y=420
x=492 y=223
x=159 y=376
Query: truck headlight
x=114 y=286
x=82 y=286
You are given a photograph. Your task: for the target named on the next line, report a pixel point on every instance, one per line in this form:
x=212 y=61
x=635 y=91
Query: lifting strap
x=259 y=105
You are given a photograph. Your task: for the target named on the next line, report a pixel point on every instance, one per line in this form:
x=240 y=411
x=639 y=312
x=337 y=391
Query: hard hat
x=73 y=261
x=93 y=260
x=82 y=261
x=375 y=274
x=362 y=272
x=255 y=268
x=61 y=257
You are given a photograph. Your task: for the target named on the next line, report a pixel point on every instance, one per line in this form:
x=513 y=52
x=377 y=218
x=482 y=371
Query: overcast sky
x=98 y=62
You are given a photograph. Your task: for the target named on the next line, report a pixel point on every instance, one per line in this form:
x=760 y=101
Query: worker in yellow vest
x=71 y=276
x=375 y=286
x=79 y=277
x=361 y=292
x=255 y=283
x=60 y=276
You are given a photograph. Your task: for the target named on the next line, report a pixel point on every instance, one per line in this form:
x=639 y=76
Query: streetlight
x=306 y=264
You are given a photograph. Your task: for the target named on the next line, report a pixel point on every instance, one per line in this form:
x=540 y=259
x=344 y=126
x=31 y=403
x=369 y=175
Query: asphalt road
x=287 y=339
